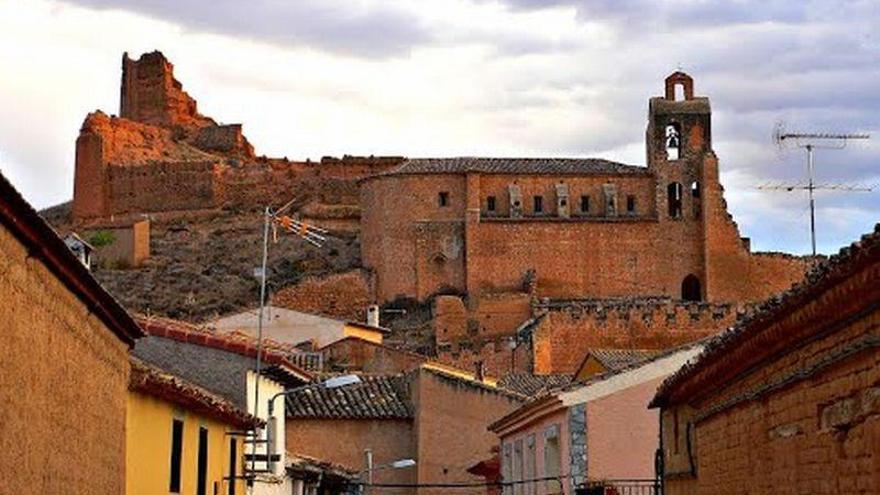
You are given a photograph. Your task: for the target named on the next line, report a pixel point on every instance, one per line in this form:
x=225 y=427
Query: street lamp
x=335 y=382
x=370 y=469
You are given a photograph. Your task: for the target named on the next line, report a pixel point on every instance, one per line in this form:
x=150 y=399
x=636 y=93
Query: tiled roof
x=43 y=243
x=375 y=397
x=822 y=277
x=272 y=354
x=467 y=378
x=153 y=381
x=531 y=385
x=537 y=166
x=300 y=463
x=615 y=359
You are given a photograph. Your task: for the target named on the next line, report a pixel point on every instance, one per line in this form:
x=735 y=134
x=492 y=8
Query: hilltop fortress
x=552 y=255
x=161 y=154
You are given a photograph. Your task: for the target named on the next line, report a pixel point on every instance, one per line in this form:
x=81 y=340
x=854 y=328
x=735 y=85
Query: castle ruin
x=526 y=262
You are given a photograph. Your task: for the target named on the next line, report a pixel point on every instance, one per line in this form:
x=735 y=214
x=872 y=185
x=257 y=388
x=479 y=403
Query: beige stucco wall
x=63 y=383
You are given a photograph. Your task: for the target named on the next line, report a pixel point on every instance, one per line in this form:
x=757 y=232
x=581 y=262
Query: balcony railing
x=619 y=487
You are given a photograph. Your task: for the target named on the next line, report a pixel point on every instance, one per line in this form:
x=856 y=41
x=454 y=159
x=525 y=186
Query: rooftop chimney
x=373 y=315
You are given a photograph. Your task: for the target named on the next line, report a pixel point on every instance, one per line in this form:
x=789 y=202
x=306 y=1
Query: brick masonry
x=787 y=403
x=419 y=247
x=567 y=331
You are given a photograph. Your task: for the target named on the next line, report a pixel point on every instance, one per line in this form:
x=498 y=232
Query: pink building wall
x=537 y=428
x=623 y=434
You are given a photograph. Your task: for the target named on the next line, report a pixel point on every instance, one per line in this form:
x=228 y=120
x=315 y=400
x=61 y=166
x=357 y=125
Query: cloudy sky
x=310 y=78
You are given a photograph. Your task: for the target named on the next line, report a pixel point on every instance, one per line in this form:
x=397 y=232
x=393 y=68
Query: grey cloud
x=685 y=15
x=329 y=25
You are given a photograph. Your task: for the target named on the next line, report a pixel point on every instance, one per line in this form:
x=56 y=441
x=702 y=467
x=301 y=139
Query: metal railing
x=619 y=487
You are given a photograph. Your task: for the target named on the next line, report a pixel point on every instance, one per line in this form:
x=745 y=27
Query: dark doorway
x=690 y=289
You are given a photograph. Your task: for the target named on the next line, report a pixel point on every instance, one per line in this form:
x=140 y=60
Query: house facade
x=297 y=327
x=182 y=438
x=596 y=431
x=432 y=414
x=64 y=364
x=226 y=366
x=787 y=400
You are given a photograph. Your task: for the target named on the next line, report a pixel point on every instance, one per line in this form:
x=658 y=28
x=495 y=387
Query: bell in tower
x=678 y=123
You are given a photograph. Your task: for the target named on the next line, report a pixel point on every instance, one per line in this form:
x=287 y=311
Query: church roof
x=519 y=166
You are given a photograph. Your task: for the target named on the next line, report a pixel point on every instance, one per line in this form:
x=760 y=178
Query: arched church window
x=695 y=195
x=690 y=289
x=674 y=200
x=673 y=141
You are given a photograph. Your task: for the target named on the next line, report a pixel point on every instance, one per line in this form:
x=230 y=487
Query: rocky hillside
x=202 y=263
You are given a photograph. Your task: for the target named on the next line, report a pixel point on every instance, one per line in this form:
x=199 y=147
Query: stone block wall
x=496 y=356
x=342 y=295
x=161 y=187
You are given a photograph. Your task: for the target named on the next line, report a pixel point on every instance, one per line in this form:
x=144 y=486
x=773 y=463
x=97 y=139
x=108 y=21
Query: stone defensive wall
x=568 y=329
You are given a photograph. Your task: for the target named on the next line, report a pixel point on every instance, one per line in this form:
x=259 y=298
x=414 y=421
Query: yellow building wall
x=590 y=368
x=148 y=449
x=363 y=333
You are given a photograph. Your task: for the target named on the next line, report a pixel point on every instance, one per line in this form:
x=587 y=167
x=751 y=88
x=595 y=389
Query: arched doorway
x=690 y=289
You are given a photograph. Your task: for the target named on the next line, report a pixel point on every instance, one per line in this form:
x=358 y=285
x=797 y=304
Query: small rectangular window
x=176 y=453
x=552 y=458
x=630 y=204
x=518 y=466
x=539 y=204
x=444 y=198
x=233 y=464
x=585 y=204
x=202 y=467
x=490 y=203
x=506 y=468
x=531 y=464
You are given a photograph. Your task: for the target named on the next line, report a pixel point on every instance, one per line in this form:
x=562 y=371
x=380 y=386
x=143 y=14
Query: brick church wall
x=424 y=239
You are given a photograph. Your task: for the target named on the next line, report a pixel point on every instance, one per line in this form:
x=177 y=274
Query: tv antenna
x=811 y=141
x=312 y=234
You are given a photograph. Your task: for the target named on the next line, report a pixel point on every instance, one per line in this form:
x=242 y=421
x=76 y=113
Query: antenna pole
x=810 y=188
x=267 y=215
x=812 y=139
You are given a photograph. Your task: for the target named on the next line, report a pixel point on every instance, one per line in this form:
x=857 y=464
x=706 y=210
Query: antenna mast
x=811 y=141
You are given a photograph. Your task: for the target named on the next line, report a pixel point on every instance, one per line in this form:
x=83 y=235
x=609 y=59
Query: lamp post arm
x=294 y=390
